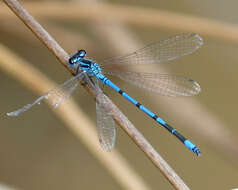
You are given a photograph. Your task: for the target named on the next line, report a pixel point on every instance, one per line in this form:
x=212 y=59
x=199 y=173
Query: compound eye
x=82 y=53
x=71 y=61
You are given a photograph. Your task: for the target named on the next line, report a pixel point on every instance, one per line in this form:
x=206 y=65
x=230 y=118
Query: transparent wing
x=55 y=96
x=164 y=84
x=162 y=51
x=106 y=126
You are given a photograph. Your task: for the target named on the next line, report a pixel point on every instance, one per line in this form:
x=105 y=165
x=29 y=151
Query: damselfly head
x=80 y=54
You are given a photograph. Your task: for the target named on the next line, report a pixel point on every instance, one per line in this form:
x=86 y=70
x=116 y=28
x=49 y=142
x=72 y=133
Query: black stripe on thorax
x=84 y=66
x=86 y=61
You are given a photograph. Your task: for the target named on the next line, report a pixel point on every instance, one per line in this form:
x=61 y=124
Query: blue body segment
x=148 y=112
x=93 y=69
x=191 y=146
x=125 y=95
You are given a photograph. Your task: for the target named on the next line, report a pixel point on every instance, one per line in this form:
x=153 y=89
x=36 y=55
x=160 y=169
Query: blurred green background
x=37 y=151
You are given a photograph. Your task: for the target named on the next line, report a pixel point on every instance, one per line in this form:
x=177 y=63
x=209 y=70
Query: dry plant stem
x=39 y=31
x=137 y=137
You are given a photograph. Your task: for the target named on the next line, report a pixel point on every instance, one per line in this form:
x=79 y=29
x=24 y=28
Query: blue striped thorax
x=78 y=60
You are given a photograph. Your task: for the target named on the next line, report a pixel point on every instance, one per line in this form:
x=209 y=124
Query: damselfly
x=163 y=84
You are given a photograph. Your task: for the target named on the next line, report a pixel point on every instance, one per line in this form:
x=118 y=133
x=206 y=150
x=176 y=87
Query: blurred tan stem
x=147 y=17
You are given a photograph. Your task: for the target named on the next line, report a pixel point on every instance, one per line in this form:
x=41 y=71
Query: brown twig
x=137 y=137
x=39 y=32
